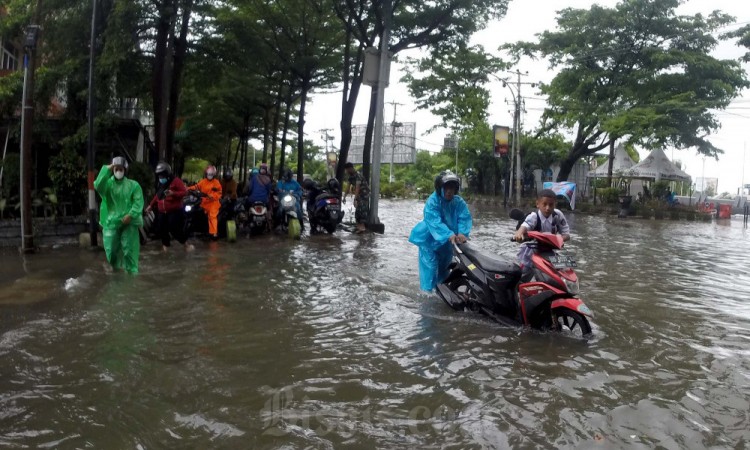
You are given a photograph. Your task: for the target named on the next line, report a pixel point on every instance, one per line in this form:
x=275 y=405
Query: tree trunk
x=367 y=150
x=276 y=121
x=348 y=99
x=301 y=132
x=287 y=112
x=266 y=131
x=611 y=162
x=160 y=78
x=175 y=87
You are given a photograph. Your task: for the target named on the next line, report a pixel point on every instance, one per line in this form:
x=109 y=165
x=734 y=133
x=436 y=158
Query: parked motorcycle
x=548 y=301
x=324 y=206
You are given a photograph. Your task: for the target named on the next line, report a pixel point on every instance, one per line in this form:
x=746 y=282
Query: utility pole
x=27 y=117
x=91 y=156
x=519 y=99
x=327 y=137
x=394 y=124
x=374 y=222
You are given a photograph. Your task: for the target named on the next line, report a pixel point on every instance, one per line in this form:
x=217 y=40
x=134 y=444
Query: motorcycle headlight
x=287 y=201
x=572 y=286
x=188 y=208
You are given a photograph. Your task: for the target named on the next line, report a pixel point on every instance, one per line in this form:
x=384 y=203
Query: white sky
x=522 y=22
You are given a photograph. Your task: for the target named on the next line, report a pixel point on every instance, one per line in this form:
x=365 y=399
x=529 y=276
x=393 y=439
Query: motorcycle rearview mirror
x=517 y=214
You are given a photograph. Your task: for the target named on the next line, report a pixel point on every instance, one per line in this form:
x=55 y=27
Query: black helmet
x=164 y=168
x=228 y=174
x=308 y=184
x=446 y=177
x=288 y=174
x=334 y=185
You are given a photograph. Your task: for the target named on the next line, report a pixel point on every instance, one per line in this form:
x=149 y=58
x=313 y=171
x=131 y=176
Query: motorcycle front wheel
x=294 y=229
x=571 y=322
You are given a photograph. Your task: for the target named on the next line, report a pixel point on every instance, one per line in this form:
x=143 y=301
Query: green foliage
x=143 y=174
x=640 y=82
x=11 y=87
x=11 y=175
x=194 y=168
x=68 y=174
x=609 y=195
x=661 y=189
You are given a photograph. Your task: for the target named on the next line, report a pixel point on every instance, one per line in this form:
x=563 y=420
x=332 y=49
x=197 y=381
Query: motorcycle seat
x=489 y=263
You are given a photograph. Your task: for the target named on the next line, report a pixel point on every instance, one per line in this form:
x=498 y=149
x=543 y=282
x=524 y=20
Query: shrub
x=609 y=195
x=67 y=171
x=142 y=173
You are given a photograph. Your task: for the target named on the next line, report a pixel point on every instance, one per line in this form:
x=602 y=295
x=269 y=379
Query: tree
x=743 y=39
x=415 y=24
x=638 y=72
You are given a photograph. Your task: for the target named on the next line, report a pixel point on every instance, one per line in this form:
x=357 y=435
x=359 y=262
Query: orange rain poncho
x=211 y=204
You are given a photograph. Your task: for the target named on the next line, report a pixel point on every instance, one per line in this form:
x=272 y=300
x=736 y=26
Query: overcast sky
x=524 y=20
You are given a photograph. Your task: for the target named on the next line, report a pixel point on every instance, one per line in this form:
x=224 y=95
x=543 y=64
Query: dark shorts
x=362 y=212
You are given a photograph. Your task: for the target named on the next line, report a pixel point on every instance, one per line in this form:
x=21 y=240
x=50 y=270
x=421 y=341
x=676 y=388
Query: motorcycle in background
x=324 y=206
x=289 y=223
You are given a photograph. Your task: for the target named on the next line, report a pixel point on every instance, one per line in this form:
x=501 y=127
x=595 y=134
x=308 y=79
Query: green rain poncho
x=120 y=198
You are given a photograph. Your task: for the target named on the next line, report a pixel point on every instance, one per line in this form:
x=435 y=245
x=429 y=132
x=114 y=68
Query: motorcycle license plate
x=562 y=261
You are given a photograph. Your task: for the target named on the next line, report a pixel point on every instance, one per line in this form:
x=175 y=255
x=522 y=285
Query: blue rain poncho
x=442 y=219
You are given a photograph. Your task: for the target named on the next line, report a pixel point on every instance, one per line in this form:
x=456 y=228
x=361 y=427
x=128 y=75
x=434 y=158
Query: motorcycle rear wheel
x=571 y=322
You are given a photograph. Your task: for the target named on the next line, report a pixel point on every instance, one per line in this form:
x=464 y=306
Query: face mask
x=210 y=176
x=163 y=180
x=119 y=174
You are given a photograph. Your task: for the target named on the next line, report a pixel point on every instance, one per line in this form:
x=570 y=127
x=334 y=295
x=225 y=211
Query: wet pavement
x=328 y=343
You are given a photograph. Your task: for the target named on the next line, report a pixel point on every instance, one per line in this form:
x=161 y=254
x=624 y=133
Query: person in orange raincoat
x=210 y=186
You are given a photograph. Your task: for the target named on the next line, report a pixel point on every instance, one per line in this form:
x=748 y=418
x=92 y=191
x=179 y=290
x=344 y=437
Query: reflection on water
x=328 y=343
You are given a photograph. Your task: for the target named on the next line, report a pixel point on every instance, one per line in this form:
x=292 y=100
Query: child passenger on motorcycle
x=546 y=219
x=447 y=220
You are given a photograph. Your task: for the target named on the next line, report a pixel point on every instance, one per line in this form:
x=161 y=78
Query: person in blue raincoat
x=446 y=220
x=288 y=185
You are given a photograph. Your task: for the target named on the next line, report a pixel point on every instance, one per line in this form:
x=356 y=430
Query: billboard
x=707 y=185
x=401 y=147
x=500 y=140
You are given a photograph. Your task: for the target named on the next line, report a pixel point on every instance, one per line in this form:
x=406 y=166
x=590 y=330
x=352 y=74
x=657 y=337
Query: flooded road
x=328 y=343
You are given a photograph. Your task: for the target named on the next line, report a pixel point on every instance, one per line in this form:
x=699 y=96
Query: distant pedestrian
x=359 y=188
x=120 y=215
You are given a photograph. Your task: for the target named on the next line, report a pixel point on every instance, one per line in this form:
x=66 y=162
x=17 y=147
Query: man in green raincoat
x=120 y=215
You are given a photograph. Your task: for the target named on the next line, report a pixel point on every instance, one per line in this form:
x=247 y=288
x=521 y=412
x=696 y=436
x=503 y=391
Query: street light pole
x=27 y=117
x=91 y=156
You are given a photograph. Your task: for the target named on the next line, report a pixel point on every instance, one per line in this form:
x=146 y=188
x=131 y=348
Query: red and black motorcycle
x=547 y=301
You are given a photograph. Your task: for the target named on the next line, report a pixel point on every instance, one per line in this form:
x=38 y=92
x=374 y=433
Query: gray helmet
x=120 y=161
x=164 y=168
x=446 y=177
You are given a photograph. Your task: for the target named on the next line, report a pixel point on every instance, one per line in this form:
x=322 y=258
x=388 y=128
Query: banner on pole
x=565 y=188
x=500 y=138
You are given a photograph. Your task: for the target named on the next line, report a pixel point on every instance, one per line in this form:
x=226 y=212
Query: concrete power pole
x=27 y=117
x=394 y=124
x=374 y=222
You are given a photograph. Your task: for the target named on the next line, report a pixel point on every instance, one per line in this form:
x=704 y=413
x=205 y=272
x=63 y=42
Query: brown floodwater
x=328 y=343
